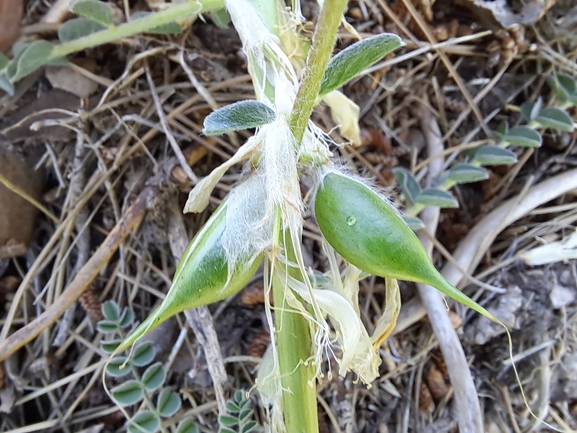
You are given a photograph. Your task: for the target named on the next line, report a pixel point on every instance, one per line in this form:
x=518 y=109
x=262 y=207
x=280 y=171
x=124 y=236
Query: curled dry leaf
x=259 y=344
x=436 y=383
x=10 y=17
x=426 y=403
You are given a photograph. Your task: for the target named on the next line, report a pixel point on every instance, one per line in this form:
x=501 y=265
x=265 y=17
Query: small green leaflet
x=168 y=403
x=94 y=10
x=555 y=118
x=154 y=377
x=146 y=421
x=353 y=60
x=77 y=28
x=408 y=184
x=523 y=136
x=530 y=110
x=494 y=155
x=414 y=223
x=565 y=87
x=467 y=173
x=238 y=116
x=187 y=426
x=129 y=393
x=33 y=56
x=437 y=198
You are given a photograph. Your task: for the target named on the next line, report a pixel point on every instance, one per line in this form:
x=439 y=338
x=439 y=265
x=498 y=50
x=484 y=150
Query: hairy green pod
x=202 y=276
x=369 y=233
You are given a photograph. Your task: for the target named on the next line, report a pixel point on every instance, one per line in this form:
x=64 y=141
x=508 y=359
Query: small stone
x=562 y=296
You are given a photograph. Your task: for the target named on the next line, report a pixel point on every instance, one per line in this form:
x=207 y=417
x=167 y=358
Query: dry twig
x=132 y=218
x=468 y=410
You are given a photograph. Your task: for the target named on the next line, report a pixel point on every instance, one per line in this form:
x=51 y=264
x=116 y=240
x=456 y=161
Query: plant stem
x=294 y=347
x=140 y=25
x=322 y=47
x=294 y=335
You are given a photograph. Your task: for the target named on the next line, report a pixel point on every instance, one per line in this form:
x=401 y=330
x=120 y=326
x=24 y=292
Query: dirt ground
x=100 y=147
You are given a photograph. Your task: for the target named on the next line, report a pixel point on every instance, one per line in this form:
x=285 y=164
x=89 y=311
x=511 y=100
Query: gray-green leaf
x=154 y=376
x=523 y=136
x=118 y=367
x=248 y=427
x=129 y=393
x=77 y=28
x=126 y=318
x=437 y=198
x=171 y=28
x=6 y=85
x=109 y=346
x=110 y=311
x=94 y=10
x=168 y=403
x=555 y=118
x=3 y=61
x=107 y=327
x=143 y=355
x=467 y=173
x=353 y=60
x=530 y=110
x=34 y=56
x=145 y=420
x=238 y=116
x=565 y=87
x=414 y=223
x=494 y=155
x=408 y=184
x=187 y=426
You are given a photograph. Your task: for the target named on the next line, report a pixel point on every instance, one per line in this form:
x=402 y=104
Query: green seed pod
x=369 y=233
x=202 y=276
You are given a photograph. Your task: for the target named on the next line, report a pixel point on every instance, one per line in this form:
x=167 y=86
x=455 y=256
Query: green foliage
x=77 y=28
x=95 y=10
x=437 y=197
x=494 y=155
x=138 y=388
x=238 y=116
x=408 y=184
x=239 y=417
x=353 y=60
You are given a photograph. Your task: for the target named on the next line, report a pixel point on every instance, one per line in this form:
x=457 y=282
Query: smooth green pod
x=369 y=233
x=201 y=276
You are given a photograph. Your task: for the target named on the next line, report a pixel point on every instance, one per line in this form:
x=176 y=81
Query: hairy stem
x=140 y=25
x=322 y=47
